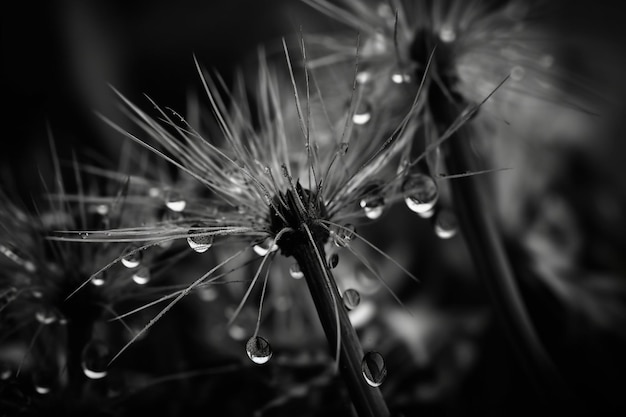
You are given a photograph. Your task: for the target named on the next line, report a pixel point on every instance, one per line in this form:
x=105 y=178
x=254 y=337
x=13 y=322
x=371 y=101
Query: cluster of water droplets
x=132 y=260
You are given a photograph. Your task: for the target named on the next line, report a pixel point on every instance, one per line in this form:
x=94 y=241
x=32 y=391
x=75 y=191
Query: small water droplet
x=374 y=368
x=373 y=200
x=363 y=114
x=517 y=73
x=44 y=380
x=333 y=260
x=263 y=248
x=420 y=193
x=142 y=276
x=95 y=358
x=295 y=271
x=199 y=244
x=447 y=34
x=132 y=257
x=102 y=209
x=446 y=224
x=83 y=235
x=46 y=315
x=207 y=293
x=259 y=350
x=342 y=235
x=351 y=298
x=6 y=370
x=100 y=279
x=343 y=148
x=363 y=77
x=400 y=77
x=174 y=201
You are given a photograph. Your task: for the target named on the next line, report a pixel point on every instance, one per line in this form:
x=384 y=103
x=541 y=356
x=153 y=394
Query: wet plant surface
x=324 y=207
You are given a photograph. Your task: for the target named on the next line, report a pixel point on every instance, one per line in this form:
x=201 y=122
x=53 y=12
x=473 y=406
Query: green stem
x=368 y=401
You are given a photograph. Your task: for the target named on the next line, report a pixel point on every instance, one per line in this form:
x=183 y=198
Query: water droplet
x=374 y=368
x=517 y=73
x=199 y=244
x=259 y=350
x=446 y=224
x=333 y=260
x=343 y=148
x=295 y=272
x=46 y=315
x=142 y=276
x=400 y=77
x=351 y=298
x=174 y=201
x=342 y=235
x=420 y=193
x=95 y=358
x=102 y=209
x=83 y=235
x=207 y=294
x=6 y=370
x=363 y=77
x=268 y=245
x=373 y=200
x=133 y=257
x=447 y=34
x=44 y=380
x=100 y=279
x=363 y=114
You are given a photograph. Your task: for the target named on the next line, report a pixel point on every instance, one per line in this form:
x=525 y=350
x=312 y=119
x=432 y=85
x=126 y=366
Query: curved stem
x=368 y=401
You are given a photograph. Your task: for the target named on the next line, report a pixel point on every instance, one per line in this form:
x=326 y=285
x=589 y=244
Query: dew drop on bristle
x=100 y=279
x=44 y=380
x=132 y=259
x=199 y=244
x=142 y=276
x=447 y=34
x=295 y=272
x=374 y=368
x=83 y=235
x=517 y=73
x=259 y=350
x=95 y=358
x=446 y=224
x=46 y=315
x=333 y=260
x=420 y=193
x=263 y=248
x=363 y=114
x=351 y=298
x=373 y=201
x=174 y=201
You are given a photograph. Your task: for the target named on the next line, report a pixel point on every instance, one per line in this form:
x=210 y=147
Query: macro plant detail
x=256 y=251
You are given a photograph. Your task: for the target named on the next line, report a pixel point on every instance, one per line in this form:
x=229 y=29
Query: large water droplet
x=259 y=350
x=295 y=271
x=175 y=201
x=373 y=200
x=142 y=276
x=199 y=244
x=374 y=368
x=351 y=298
x=95 y=358
x=420 y=193
x=342 y=235
x=363 y=114
x=446 y=224
x=333 y=260
x=263 y=248
x=132 y=259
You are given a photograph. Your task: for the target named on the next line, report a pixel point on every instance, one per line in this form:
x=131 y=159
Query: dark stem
x=367 y=400
x=476 y=219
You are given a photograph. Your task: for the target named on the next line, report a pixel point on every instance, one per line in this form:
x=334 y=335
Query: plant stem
x=476 y=219
x=367 y=400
